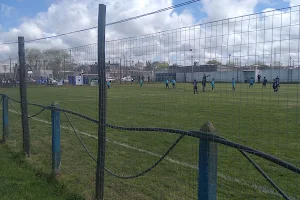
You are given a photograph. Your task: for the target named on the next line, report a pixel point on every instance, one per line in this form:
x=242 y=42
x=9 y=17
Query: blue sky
x=22 y=9
x=29 y=8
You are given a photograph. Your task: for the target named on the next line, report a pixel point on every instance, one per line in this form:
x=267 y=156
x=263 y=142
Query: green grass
x=255 y=117
x=19 y=181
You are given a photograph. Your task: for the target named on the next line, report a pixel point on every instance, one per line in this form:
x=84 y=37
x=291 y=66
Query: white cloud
x=6 y=10
x=65 y=16
x=222 y=9
x=294 y=2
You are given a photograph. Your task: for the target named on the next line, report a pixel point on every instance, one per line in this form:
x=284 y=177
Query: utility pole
x=192 y=65
x=120 y=71
x=44 y=68
x=64 y=67
x=70 y=58
x=293 y=63
x=275 y=58
x=10 y=65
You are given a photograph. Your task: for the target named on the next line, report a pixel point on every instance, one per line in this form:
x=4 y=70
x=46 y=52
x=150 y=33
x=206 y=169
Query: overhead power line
x=112 y=23
x=155 y=12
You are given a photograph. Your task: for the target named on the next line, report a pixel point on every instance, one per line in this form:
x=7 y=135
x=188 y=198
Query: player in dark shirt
x=204 y=82
x=275 y=85
x=258 y=78
x=264 y=82
x=195 y=86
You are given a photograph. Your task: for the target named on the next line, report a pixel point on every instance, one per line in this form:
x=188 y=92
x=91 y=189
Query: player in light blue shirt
x=251 y=82
x=174 y=83
x=141 y=82
x=108 y=84
x=213 y=84
x=233 y=84
x=167 y=83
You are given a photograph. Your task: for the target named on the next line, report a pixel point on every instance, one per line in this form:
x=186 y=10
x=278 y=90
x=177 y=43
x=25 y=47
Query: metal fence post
x=23 y=96
x=55 y=117
x=207 y=180
x=5 y=117
x=102 y=104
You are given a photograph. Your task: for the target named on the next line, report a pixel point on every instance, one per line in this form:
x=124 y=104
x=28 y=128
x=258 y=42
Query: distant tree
x=262 y=65
x=55 y=59
x=213 y=62
x=163 y=65
x=32 y=57
x=149 y=66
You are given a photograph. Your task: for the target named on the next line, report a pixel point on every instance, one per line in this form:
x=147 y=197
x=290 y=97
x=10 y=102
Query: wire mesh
x=178 y=79
x=238 y=54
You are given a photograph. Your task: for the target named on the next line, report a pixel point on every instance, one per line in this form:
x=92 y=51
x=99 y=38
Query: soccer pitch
x=256 y=117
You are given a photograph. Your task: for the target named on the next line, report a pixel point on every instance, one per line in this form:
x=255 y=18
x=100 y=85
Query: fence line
x=226 y=177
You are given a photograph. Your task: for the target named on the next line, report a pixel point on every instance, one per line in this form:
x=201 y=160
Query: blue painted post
x=55 y=117
x=5 y=117
x=208 y=156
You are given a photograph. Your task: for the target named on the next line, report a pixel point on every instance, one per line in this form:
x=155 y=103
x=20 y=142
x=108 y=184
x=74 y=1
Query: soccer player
x=167 y=83
x=275 y=85
x=233 y=84
x=173 y=83
x=108 y=84
x=277 y=80
x=213 y=84
x=141 y=82
x=264 y=82
x=195 y=86
x=251 y=82
x=258 y=78
x=204 y=81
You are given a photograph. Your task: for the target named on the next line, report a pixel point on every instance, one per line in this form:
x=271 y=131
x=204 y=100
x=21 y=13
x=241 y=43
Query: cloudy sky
x=35 y=18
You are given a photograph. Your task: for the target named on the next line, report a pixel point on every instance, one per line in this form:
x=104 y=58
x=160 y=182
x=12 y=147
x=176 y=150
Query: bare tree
x=33 y=56
x=55 y=59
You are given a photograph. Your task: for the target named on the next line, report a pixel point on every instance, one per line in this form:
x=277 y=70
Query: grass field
x=255 y=117
x=19 y=181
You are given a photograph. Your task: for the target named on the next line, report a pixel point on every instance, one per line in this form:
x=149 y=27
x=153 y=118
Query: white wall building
x=5 y=68
x=42 y=73
x=285 y=75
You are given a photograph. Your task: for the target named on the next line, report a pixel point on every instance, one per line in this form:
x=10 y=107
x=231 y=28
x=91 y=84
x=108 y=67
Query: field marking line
x=260 y=188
